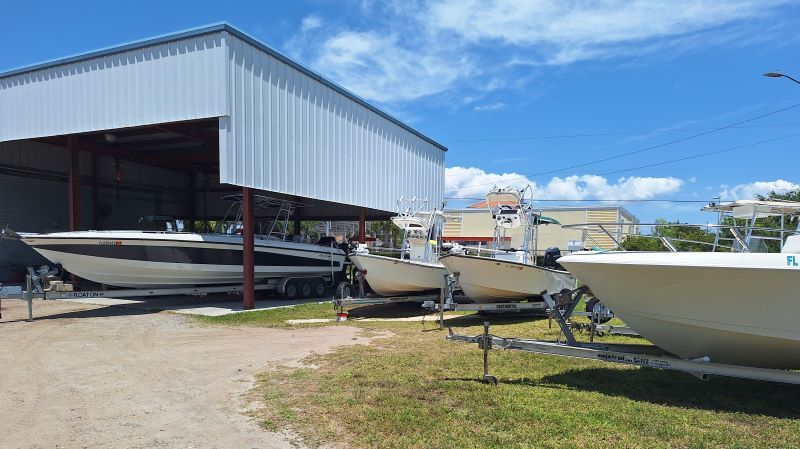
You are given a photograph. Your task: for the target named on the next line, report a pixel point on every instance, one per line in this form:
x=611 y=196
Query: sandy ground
x=87 y=376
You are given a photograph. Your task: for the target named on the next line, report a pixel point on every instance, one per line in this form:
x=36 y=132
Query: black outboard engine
x=551 y=256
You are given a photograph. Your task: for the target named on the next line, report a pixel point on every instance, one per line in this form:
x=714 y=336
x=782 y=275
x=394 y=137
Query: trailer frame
x=648 y=356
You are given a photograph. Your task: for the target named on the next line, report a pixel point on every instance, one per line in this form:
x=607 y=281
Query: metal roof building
x=280 y=127
x=170 y=124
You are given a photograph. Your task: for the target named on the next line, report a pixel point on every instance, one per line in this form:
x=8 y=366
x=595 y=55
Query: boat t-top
x=501 y=275
x=417 y=268
x=173 y=258
x=732 y=304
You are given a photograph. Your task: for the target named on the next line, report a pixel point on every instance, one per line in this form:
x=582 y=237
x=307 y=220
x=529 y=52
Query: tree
x=775 y=222
x=683 y=237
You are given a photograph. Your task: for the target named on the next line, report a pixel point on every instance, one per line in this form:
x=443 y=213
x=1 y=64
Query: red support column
x=248 y=250
x=95 y=194
x=74 y=187
x=362 y=227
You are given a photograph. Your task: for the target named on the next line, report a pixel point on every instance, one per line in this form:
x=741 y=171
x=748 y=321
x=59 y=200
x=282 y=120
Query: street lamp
x=780 y=75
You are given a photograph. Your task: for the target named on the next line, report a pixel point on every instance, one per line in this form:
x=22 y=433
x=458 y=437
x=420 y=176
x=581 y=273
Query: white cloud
x=310 y=23
x=414 y=49
x=472 y=182
x=749 y=191
x=378 y=67
x=569 y=31
x=489 y=107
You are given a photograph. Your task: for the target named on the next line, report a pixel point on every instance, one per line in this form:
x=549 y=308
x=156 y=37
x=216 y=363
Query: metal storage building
x=179 y=119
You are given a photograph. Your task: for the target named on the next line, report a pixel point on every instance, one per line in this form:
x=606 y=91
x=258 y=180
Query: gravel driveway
x=86 y=376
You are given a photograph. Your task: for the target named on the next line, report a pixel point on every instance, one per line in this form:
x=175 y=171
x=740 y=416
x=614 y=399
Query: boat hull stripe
x=188 y=255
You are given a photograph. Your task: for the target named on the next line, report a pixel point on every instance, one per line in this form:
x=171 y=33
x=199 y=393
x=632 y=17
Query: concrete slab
x=409 y=318
x=211 y=305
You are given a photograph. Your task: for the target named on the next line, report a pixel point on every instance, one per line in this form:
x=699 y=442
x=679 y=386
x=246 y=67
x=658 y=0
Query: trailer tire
x=591 y=304
x=306 y=289
x=343 y=290
x=319 y=288
x=290 y=291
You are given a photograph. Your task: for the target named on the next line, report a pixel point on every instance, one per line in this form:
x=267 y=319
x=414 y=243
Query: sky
x=632 y=101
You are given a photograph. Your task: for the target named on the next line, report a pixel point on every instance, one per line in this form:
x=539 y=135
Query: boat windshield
x=162 y=223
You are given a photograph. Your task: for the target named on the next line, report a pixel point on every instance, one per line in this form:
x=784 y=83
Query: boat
x=417 y=269
x=507 y=275
x=731 y=305
x=172 y=258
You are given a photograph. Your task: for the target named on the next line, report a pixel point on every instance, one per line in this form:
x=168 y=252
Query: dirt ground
x=87 y=376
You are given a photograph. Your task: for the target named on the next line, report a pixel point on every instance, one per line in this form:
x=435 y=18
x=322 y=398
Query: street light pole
x=780 y=75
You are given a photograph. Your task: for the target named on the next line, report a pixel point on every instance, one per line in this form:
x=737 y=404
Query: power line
x=641 y=150
x=604 y=134
x=709 y=153
x=587 y=200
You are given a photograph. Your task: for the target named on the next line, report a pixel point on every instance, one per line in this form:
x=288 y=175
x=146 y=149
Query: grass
x=273 y=317
x=415 y=389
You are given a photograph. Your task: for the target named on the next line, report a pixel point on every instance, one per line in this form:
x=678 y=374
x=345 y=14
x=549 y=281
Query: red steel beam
x=362 y=226
x=74 y=182
x=190 y=132
x=64 y=141
x=248 y=250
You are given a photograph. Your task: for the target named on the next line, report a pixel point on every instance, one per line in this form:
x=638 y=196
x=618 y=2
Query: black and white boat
x=171 y=258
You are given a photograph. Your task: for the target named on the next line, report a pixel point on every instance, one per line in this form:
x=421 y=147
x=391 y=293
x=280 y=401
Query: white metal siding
x=290 y=133
x=171 y=81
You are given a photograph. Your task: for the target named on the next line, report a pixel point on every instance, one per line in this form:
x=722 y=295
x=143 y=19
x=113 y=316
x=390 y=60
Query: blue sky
x=522 y=92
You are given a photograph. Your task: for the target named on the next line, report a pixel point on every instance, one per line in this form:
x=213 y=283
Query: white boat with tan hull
x=737 y=308
x=510 y=281
x=504 y=276
x=389 y=276
x=417 y=270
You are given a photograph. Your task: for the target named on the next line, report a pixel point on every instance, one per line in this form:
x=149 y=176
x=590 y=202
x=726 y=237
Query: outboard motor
x=551 y=256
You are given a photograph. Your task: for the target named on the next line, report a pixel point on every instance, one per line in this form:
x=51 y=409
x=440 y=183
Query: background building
x=473 y=225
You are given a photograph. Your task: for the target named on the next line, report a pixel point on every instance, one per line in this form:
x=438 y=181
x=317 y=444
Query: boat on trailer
x=731 y=305
x=172 y=258
x=508 y=275
x=417 y=270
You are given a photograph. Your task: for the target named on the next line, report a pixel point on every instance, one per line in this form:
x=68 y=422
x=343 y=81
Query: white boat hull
x=157 y=260
x=488 y=280
x=388 y=276
x=735 y=308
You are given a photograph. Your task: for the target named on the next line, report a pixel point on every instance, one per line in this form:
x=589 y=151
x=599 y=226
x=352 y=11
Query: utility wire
x=605 y=134
x=709 y=153
x=587 y=200
x=641 y=150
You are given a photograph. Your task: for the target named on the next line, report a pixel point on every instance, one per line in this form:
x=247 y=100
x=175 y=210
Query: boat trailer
x=345 y=299
x=629 y=354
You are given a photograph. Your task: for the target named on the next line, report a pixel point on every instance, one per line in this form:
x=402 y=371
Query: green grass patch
x=276 y=317
x=414 y=389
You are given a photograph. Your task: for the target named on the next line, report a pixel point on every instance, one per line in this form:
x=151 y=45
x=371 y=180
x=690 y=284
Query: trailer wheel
x=343 y=290
x=306 y=289
x=290 y=291
x=592 y=304
x=319 y=288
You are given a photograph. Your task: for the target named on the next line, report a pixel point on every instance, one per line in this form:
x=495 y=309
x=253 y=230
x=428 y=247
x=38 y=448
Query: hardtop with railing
x=737 y=228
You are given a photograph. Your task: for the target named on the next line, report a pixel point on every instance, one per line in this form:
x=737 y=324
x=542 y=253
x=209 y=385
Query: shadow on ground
x=95 y=312
x=671 y=388
x=396 y=310
x=475 y=319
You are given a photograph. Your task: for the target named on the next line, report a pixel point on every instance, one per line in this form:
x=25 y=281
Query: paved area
x=211 y=305
x=90 y=376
